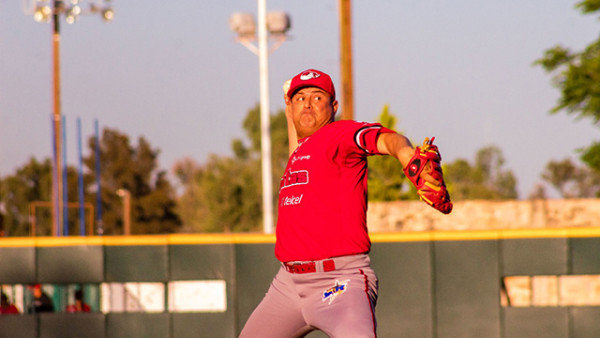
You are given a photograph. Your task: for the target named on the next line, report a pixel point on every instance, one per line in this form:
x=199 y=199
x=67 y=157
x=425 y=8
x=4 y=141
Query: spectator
x=41 y=301
x=6 y=307
x=2 y=232
x=80 y=305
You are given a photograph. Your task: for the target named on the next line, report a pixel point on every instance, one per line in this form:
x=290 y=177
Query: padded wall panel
x=585 y=321
x=585 y=255
x=200 y=325
x=71 y=325
x=146 y=325
x=201 y=262
x=255 y=268
x=534 y=256
x=70 y=264
x=17 y=265
x=204 y=262
x=536 y=322
x=140 y=263
x=467 y=289
x=405 y=304
x=18 y=326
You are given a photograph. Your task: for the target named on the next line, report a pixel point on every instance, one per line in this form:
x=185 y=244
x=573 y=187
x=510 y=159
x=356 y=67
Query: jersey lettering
x=291 y=200
x=291 y=178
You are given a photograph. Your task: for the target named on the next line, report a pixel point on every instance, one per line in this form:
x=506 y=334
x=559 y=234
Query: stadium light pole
x=345 y=18
x=42 y=11
x=274 y=25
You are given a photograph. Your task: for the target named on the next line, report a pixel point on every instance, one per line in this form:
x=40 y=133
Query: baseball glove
x=428 y=158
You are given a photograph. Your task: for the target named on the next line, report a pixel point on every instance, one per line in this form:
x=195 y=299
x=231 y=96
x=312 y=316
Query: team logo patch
x=339 y=288
x=309 y=75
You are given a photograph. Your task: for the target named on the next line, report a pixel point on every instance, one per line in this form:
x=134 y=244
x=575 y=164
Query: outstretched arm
x=396 y=145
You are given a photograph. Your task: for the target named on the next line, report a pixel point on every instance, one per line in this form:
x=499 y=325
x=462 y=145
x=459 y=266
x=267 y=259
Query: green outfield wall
x=431 y=284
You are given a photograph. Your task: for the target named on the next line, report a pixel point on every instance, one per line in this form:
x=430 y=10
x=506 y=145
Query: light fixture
x=108 y=14
x=243 y=24
x=42 y=13
x=72 y=10
x=278 y=22
x=72 y=14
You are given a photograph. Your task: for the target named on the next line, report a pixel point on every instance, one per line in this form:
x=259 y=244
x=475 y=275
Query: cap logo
x=309 y=75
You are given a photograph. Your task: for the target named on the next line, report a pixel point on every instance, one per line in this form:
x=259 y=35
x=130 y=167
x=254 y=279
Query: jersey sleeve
x=367 y=135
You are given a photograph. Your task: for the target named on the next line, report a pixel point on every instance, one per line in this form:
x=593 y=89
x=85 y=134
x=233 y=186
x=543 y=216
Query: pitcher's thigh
x=278 y=314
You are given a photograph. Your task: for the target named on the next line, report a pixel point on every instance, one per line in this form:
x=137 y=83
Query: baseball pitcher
x=325 y=281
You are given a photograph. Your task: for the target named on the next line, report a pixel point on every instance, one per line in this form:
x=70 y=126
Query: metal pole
x=267 y=177
x=345 y=8
x=55 y=197
x=65 y=195
x=99 y=224
x=80 y=181
x=57 y=113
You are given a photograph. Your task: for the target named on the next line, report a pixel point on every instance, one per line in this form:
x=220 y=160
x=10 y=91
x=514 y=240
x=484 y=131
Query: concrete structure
x=484 y=215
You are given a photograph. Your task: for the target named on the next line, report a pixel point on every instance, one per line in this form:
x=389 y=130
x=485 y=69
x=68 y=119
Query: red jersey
x=323 y=193
x=8 y=309
x=73 y=308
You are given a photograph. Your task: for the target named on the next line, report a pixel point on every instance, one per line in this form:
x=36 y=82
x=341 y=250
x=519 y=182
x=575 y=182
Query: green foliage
x=386 y=178
x=558 y=174
x=231 y=193
x=591 y=156
x=122 y=166
x=26 y=197
x=191 y=206
x=485 y=179
x=589 y=6
x=224 y=195
x=572 y=181
x=577 y=76
x=135 y=169
x=32 y=182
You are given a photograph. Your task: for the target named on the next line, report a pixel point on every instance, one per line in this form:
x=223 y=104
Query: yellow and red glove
x=428 y=158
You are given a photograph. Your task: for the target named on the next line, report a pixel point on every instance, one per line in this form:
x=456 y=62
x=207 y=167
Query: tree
x=386 y=178
x=591 y=157
x=489 y=161
x=559 y=174
x=572 y=181
x=225 y=193
x=191 y=206
x=135 y=169
x=485 y=179
x=30 y=190
x=122 y=166
x=577 y=75
x=231 y=193
x=32 y=182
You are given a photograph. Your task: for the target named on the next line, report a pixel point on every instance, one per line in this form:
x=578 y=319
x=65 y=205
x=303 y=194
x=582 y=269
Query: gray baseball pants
x=341 y=302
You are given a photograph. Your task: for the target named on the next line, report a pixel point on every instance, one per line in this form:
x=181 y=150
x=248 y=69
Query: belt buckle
x=328 y=265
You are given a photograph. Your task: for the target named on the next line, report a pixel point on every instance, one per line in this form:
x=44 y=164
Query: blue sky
x=172 y=72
